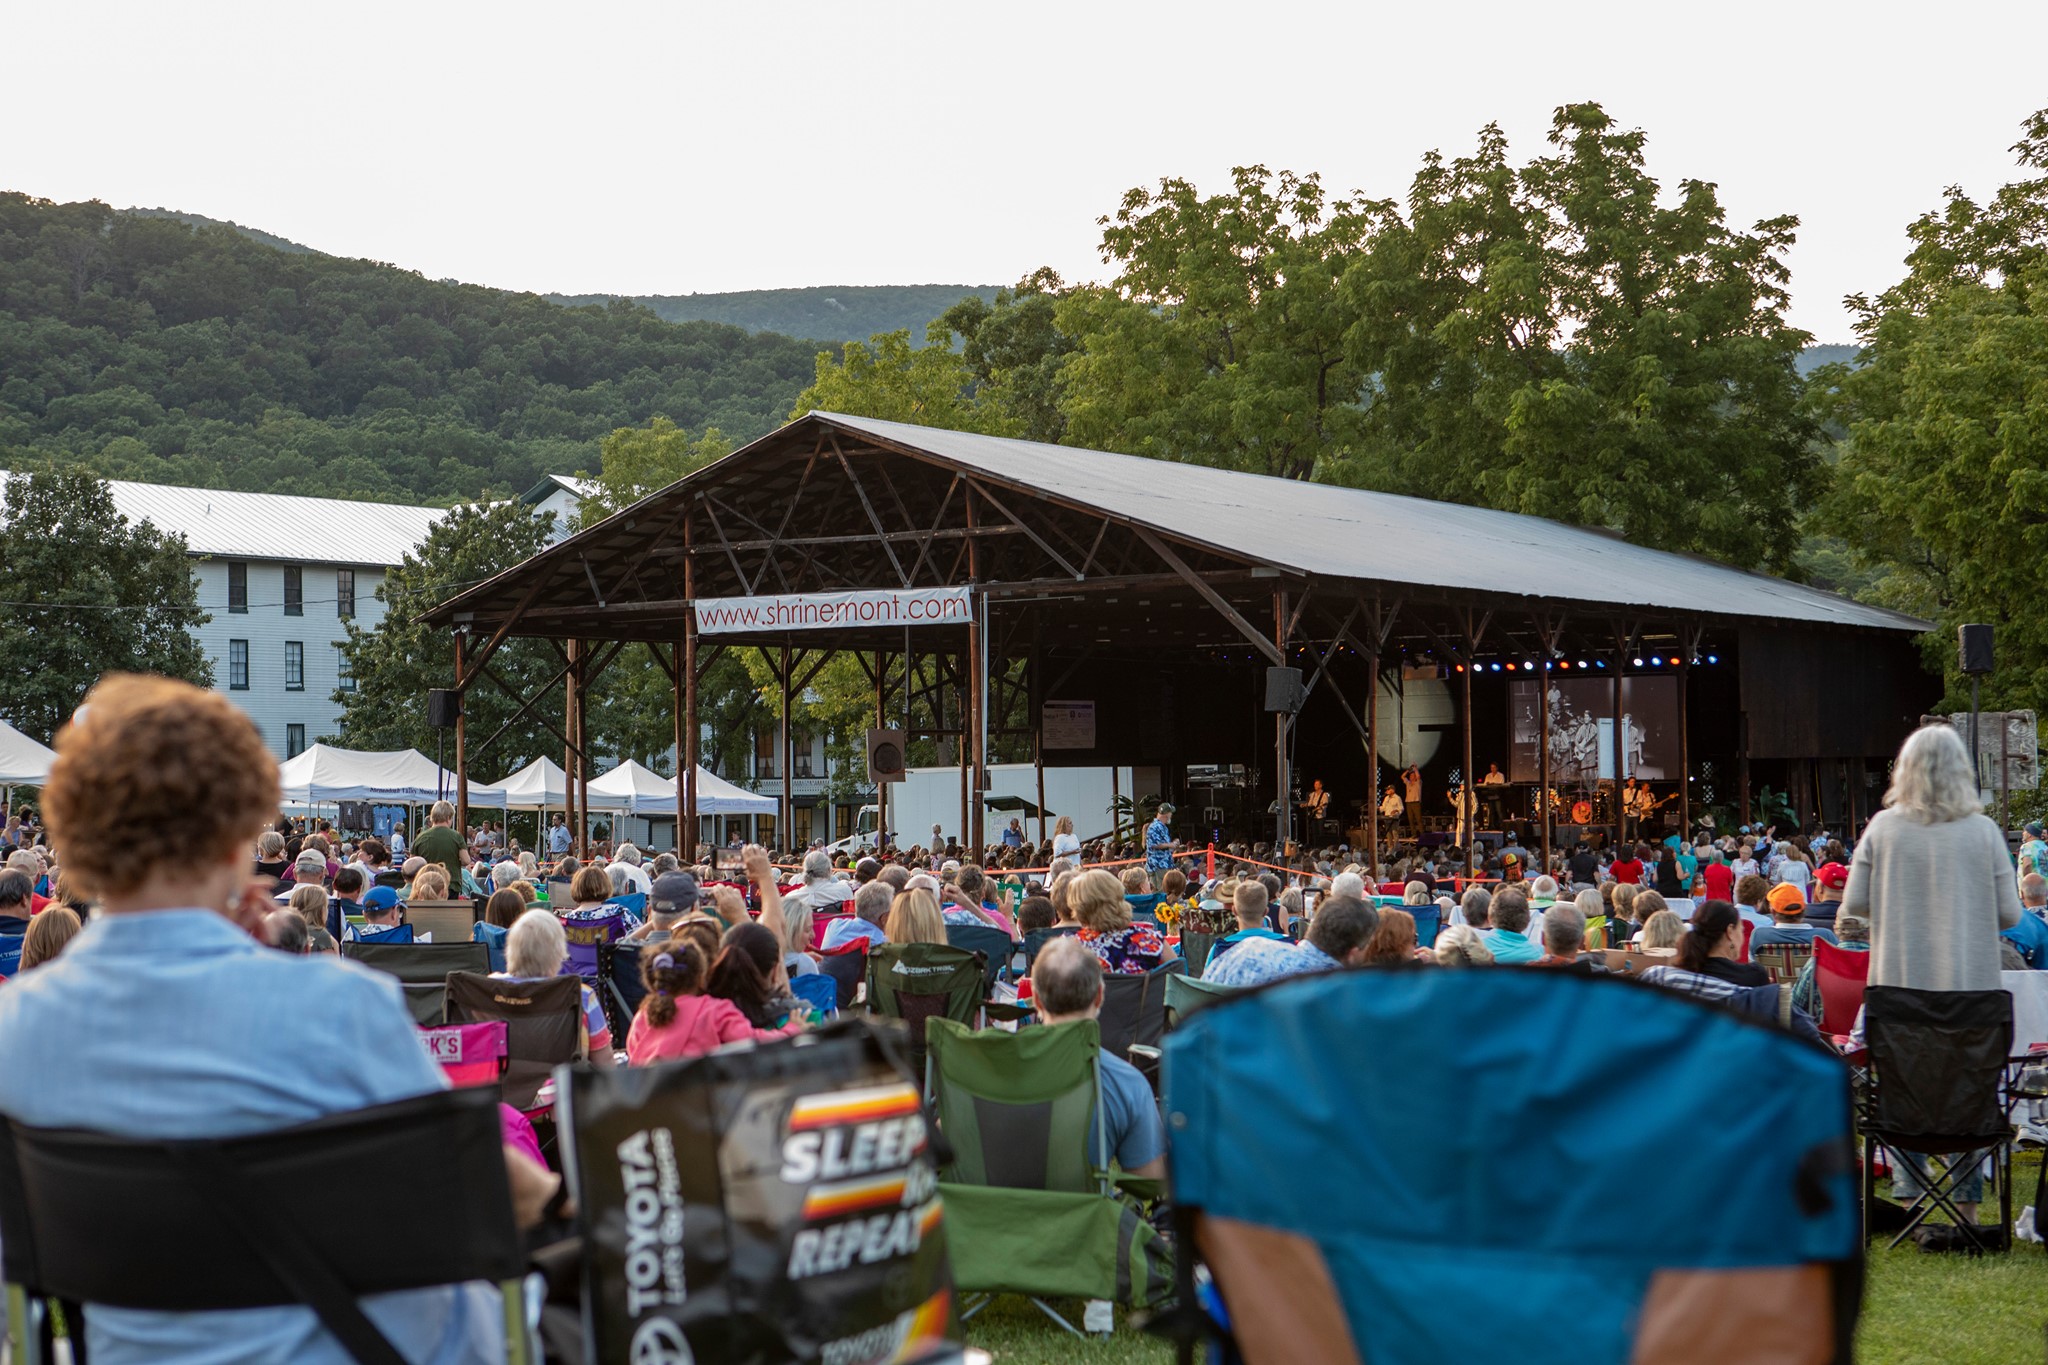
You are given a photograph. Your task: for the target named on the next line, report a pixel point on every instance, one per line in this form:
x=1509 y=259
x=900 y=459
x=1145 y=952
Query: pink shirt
x=702 y=1024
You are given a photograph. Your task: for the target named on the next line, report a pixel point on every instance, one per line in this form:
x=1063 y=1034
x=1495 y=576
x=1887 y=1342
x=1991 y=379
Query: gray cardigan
x=1936 y=897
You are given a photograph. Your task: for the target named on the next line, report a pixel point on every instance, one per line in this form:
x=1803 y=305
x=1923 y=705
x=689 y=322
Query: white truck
x=931 y=796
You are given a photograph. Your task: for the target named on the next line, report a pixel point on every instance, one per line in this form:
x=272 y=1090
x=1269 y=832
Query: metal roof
x=278 y=526
x=1379 y=537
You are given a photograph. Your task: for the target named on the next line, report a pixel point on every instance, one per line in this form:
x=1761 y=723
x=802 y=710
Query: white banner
x=831 y=610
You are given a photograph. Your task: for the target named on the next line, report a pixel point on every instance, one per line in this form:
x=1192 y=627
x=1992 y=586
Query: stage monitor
x=1582 y=729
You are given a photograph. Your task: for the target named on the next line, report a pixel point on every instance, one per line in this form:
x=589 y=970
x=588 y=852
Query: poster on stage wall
x=1582 y=730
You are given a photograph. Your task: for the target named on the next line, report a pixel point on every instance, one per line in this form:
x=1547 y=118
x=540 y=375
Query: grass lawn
x=1918 y=1309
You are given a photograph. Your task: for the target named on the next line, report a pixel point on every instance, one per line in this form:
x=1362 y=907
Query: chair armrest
x=1145 y=1190
x=1144 y=1050
x=1008 y=1012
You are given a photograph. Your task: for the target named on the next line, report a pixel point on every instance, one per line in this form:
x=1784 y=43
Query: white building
x=559 y=497
x=281 y=576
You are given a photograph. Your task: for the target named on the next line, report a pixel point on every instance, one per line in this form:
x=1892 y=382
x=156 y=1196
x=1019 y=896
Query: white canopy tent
x=542 y=785
x=23 y=762
x=652 y=794
x=324 y=775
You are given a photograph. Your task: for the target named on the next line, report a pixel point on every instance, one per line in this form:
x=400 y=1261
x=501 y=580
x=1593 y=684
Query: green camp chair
x=1026 y=1211
x=1195 y=950
x=919 y=982
x=1186 y=994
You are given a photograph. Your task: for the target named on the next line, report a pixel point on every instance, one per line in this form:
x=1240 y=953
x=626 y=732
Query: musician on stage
x=1390 y=810
x=1493 y=785
x=1316 y=805
x=1464 y=805
x=1637 y=805
x=1411 y=798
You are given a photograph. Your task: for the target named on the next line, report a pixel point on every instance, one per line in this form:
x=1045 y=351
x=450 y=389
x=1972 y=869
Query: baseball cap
x=1786 y=897
x=1832 y=874
x=673 y=893
x=2034 y=828
x=378 y=899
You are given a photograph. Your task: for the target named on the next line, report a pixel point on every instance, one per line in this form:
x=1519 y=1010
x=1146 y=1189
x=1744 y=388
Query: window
x=294 y=590
x=344 y=593
x=765 y=765
x=344 y=676
x=800 y=764
x=238 y=587
x=294 y=740
x=238 y=665
x=294 y=666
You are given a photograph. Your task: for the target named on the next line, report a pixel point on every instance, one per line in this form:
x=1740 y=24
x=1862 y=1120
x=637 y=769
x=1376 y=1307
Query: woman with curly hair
x=1125 y=948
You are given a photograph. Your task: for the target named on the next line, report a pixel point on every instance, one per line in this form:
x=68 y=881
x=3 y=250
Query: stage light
x=1639 y=663
x=1713 y=658
x=1511 y=667
x=1496 y=668
x=1602 y=663
x=1584 y=664
x=1531 y=665
x=1461 y=668
x=1655 y=661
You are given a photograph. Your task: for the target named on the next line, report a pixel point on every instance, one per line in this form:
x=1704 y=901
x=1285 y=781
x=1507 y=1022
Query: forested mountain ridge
x=832 y=313
x=258 y=235
x=146 y=348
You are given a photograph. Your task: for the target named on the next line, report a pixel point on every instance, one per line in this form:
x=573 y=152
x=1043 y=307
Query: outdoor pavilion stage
x=1163 y=591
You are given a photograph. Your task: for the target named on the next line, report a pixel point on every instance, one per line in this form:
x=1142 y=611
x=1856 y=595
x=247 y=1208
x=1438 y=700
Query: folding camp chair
x=1937 y=1070
x=13 y=925
x=1428 y=923
x=634 y=902
x=1038 y=938
x=1133 y=1015
x=847 y=965
x=1625 y=962
x=585 y=931
x=1840 y=974
x=544 y=1025
x=1027 y=1209
x=1186 y=994
x=492 y=936
x=622 y=989
x=1784 y=961
x=379 y=933
x=817 y=990
x=1315 y=1267
x=468 y=1054
x=442 y=921
x=10 y=953
x=261 y=1221
x=1195 y=950
x=918 y=982
x=422 y=970
x=991 y=942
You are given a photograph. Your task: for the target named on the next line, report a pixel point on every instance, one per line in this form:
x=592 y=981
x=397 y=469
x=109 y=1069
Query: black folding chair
x=1134 y=1016
x=544 y=1025
x=618 y=966
x=991 y=942
x=1938 y=1064
x=422 y=971
x=848 y=967
x=261 y=1221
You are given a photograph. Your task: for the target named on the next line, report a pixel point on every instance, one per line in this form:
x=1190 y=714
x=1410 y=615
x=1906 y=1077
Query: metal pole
x=1620 y=816
x=786 y=818
x=1976 y=764
x=881 y=722
x=1544 y=814
x=461 y=748
x=1280 y=722
x=1684 y=756
x=1372 y=760
x=1465 y=724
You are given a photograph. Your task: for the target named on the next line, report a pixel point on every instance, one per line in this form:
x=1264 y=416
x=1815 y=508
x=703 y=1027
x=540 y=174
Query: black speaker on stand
x=444 y=708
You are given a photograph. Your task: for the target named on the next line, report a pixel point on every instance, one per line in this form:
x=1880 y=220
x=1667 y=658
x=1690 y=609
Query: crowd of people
x=168 y=917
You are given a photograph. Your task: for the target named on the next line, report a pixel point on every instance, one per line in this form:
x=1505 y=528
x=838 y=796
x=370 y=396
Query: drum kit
x=1593 y=806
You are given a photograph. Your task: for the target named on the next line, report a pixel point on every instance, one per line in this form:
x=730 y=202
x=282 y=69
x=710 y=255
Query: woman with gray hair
x=536 y=949
x=1461 y=946
x=1932 y=877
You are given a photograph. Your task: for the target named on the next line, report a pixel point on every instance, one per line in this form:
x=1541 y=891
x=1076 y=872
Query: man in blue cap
x=380 y=919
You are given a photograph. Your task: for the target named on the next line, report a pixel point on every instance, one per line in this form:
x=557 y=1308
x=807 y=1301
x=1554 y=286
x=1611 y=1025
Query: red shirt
x=1720 y=880
x=1627 y=871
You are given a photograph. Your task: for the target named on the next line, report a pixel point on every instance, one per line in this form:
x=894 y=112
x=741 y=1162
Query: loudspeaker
x=885 y=755
x=1283 y=690
x=444 y=708
x=1973 y=649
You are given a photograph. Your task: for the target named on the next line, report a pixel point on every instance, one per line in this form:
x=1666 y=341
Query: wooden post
x=1372 y=759
x=1038 y=731
x=1282 y=825
x=1684 y=757
x=881 y=722
x=686 y=717
x=461 y=747
x=960 y=702
x=786 y=818
x=570 y=757
x=1465 y=725
x=1544 y=815
x=582 y=738
x=1620 y=747
x=976 y=713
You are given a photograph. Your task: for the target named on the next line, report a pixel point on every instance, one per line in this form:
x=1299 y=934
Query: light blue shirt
x=1256 y=961
x=1158 y=846
x=847 y=928
x=1510 y=947
x=176 y=1024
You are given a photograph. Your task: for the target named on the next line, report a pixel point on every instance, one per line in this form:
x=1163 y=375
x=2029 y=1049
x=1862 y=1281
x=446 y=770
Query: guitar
x=1646 y=805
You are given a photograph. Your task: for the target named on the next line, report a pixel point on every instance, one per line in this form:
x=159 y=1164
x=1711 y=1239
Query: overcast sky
x=680 y=147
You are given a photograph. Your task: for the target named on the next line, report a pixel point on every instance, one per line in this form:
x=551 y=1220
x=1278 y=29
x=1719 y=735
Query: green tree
x=1221 y=340
x=1944 y=473
x=1562 y=339
x=888 y=378
x=396 y=662
x=92 y=593
x=636 y=461
x=1015 y=351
